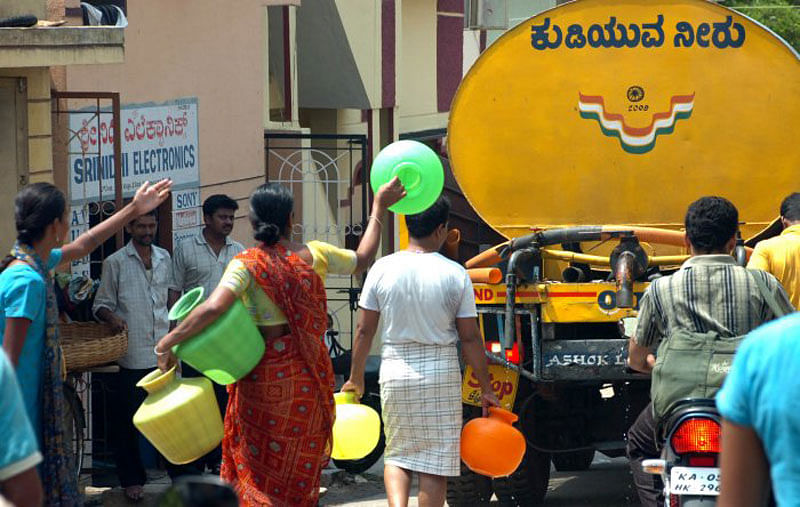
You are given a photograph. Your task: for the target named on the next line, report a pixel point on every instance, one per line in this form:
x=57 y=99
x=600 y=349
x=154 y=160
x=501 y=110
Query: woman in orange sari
x=280 y=415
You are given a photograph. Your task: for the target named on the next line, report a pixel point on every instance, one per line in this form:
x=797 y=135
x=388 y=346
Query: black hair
x=711 y=222
x=423 y=224
x=152 y=213
x=37 y=206
x=218 y=201
x=790 y=207
x=271 y=207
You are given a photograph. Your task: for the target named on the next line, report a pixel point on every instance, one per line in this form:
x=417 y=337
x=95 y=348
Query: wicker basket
x=87 y=344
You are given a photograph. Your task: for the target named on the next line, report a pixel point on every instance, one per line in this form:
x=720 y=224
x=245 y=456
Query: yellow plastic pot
x=226 y=350
x=180 y=417
x=356 y=430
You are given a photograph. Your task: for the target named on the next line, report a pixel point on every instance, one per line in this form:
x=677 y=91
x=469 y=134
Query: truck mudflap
x=586 y=360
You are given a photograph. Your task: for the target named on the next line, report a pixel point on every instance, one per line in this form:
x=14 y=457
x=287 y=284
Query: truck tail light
x=511 y=355
x=696 y=435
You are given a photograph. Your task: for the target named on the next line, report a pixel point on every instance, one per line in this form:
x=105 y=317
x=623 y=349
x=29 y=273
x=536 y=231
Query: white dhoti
x=421 y=404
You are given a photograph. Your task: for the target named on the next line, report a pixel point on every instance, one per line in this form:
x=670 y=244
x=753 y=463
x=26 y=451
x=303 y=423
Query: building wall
x=519 y=11
x=9 y=8
x=416 y=70
x=40 y=142
x=362 y=23
x=209 y=50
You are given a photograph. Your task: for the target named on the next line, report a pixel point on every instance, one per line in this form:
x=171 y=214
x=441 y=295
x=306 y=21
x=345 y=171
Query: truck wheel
x=468 y=489
x=528 y=485
x=573 y=461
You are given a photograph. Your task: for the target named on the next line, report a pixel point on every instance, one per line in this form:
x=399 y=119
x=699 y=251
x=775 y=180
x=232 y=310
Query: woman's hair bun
x=269 y=234
x=270 y=209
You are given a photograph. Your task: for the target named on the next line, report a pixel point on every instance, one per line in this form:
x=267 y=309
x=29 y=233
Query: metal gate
x=102 y=110
x=327 y=174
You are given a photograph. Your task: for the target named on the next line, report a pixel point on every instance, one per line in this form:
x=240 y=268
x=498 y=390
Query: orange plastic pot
x=491 y=446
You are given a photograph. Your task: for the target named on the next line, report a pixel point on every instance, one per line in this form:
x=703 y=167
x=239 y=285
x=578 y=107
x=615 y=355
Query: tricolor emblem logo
x=633 y=139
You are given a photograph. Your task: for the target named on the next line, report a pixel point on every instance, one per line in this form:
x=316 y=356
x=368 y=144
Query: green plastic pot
x=419 y=169
x=225 y=351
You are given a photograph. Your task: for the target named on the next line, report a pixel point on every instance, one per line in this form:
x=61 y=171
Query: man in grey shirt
x=200 y=261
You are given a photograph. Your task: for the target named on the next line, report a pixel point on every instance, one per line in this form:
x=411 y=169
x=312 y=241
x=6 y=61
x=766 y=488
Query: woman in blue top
x=29 y=316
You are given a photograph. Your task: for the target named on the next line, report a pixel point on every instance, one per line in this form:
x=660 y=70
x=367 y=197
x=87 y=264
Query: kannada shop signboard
x=624 y=111
x=158 y=141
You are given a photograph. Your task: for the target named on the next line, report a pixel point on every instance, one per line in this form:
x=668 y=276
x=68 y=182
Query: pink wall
x=207 y=49
x=449 y=51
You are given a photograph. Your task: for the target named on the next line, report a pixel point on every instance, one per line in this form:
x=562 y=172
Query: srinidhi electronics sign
x=158 y=141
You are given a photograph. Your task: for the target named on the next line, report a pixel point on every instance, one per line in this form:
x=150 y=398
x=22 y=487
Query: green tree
x=781 y=16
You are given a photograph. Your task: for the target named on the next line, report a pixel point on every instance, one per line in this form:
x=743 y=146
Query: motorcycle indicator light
x=696 y=435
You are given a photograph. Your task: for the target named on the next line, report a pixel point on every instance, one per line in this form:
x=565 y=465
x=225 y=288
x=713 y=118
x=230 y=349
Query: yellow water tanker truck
x=581 y=136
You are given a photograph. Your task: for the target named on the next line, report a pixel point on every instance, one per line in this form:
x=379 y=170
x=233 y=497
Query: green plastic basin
x=419 y=169
x=225 y=351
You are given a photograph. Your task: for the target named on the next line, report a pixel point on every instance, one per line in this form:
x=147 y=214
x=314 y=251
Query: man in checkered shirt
x=133 y=294
x=708 y=293
x=200 y=261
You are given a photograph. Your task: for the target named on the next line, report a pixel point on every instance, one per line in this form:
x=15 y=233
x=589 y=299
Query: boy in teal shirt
x=761 y=427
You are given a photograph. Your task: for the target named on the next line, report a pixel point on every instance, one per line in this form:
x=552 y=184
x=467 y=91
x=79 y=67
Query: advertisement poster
x=158 y=141
x=187 y=214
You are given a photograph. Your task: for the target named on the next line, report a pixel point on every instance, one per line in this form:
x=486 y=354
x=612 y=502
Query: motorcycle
x=689 y=463
x=689 y=438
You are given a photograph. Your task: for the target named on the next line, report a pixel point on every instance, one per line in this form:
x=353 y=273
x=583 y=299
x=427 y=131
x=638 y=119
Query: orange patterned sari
x=279 y=417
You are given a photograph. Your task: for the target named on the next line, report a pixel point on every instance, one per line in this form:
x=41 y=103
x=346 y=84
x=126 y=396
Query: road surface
x=607 y=483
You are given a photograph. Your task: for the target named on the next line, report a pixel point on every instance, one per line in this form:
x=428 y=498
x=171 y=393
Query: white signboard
x=79 y=223
x=158 y=141
x=187 y=214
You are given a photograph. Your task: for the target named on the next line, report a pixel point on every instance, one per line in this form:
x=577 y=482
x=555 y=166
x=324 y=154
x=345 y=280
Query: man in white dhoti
x=421 y=304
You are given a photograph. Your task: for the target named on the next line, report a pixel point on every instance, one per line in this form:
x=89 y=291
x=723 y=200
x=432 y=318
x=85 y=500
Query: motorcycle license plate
x=694 y=481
